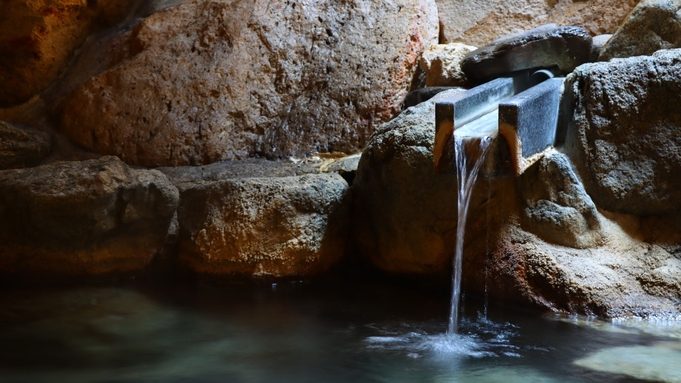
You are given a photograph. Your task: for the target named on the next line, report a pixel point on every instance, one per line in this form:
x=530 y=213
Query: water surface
x=326 y=331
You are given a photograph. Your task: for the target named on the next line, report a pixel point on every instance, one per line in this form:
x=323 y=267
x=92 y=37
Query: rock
x=543 y=47
x=598 y=42
x=481 y=22
x=263 y=227
x=267 y=78
x=623 y=137
x=22 y=147
x=653 y=363
x=608 y=281
x=38 y=37
x=405 y=214
x=442 y=64
x=651 y=26
x=248 y=168
x=558 y=209
x=82 y=220
x=420 y=95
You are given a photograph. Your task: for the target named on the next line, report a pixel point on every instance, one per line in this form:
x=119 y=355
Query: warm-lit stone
x=624 y=135
x=651 y=26
x=22 y=146
x=38 y=37
x=267 y=227
x=207 y=80
x=442 y=64
x=82 y=220
x=483 y=21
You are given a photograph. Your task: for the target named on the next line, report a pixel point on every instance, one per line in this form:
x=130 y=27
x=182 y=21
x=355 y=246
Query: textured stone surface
x=206 y=80
x=624 y=135
x=38 y=37
x=442 y=64
x=263 y=227
x=22 y=147
x=82 y=220
x=483 y=21
x=546 y=46
x=619 y=278
x=557 y=207
x=651 y=26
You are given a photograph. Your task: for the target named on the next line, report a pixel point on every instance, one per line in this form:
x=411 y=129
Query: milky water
x=333 y=330
x=470 y=155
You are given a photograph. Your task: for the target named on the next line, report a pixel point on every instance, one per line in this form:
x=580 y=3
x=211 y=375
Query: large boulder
x=405 y=213
x=82 y=220
x=624 y=135
x=22 y=146
x=38 y=37
x=266 y=227
x=208 y=80
x=651 y=26
x=483 y=21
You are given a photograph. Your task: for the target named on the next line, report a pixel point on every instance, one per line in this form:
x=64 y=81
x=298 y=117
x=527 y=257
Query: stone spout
x=520 y=115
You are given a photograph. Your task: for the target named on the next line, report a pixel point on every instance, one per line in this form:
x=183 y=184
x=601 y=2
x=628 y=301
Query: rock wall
x=207 y=81
x=38 y=38
x=480 y=22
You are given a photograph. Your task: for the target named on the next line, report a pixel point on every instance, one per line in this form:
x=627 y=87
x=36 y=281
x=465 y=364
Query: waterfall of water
x=466 y=175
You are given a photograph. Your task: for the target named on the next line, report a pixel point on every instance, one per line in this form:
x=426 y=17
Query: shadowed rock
x=37 y=39
x=82 y=220
x=22 y=147
x=543 y=47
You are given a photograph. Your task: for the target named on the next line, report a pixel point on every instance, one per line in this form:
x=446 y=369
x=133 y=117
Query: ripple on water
x=477 y=339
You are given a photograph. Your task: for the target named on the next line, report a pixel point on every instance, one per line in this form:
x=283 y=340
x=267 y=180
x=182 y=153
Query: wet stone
x=544 y=47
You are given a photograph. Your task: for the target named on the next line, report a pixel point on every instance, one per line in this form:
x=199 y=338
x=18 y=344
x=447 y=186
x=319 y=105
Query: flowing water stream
x=470 y=155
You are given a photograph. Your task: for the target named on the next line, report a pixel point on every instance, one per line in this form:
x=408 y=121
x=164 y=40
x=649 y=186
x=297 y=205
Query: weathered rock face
x=442 y=64
x=651 y=26
x=207 y=80
x=558 y=208
x=22 y=147
x=625 y=276
x=38 y=37
x=546 y=46
x=82 y=220
x=481 y=22
x=263 y=227
x=624 y=137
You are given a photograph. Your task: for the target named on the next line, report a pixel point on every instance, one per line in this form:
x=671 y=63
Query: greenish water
x=329 y=331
